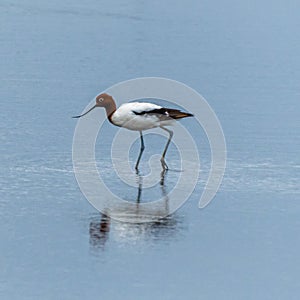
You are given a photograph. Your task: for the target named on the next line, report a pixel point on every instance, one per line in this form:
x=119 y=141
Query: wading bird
x=140 y=116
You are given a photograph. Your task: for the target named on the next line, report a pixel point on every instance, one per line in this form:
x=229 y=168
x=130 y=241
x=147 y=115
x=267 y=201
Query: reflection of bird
x=99 y=231
x=140 y=116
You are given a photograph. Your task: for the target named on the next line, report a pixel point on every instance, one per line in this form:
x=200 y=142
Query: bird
x=140 y=116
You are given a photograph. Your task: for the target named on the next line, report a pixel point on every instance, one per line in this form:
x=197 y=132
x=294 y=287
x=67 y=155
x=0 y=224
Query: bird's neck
x=110 y=109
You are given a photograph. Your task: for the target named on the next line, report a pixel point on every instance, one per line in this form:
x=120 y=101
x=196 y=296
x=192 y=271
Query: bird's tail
x=177 y=114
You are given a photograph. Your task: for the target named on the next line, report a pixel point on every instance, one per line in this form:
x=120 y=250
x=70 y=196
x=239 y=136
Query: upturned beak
x=86 y=112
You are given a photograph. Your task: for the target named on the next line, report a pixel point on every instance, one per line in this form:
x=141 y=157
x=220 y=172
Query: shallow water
x=243 y=58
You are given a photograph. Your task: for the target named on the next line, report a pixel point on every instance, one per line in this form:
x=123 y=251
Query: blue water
x=242 y=57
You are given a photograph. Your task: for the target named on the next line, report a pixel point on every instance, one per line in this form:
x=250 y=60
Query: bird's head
x=102 y=100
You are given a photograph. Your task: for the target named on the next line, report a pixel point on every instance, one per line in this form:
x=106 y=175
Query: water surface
x=242 y=57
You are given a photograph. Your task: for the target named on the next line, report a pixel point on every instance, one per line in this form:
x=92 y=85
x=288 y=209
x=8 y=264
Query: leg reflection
x=164 y=194
x=139 y=179
x=163 y=189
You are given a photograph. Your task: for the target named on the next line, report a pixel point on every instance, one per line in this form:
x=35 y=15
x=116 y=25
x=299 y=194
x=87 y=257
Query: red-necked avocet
x=140 y=116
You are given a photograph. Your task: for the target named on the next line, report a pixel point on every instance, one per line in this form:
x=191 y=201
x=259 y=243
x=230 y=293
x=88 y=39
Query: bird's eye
x=101 y=99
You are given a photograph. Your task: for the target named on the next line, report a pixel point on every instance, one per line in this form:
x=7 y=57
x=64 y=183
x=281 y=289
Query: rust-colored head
x=102 y=100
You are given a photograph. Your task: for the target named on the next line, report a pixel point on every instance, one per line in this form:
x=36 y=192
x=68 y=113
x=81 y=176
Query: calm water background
x=242 y=57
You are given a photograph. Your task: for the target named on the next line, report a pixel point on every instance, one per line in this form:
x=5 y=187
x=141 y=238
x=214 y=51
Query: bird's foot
x=136 y=167
x=164 y=164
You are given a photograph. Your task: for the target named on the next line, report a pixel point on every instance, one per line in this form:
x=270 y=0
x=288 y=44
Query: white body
x=124 y=116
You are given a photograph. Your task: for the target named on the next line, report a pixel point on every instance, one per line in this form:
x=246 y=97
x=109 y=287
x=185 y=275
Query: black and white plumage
x=140 y=116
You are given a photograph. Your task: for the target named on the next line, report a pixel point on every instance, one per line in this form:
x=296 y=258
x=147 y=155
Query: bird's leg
x=141 y=152
x=162 y=160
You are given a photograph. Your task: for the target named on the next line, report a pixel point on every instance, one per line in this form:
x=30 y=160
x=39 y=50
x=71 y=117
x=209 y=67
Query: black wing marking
x=157 y=111
x=164 y=113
